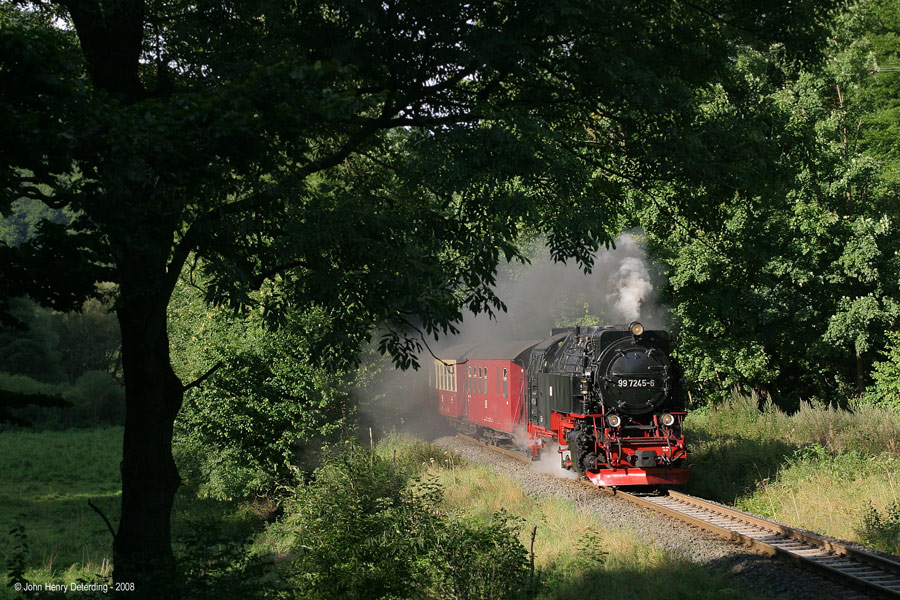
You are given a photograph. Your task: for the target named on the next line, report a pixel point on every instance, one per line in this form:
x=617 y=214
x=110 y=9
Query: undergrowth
x=882 y=530
x=408 y=520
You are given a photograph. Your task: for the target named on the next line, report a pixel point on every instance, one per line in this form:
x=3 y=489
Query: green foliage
x=786 y=284
x=885 y=390
x=241 y=431
x=374 y=161
x=89 y=339
x=18 y=558
x=217 y=563
x=740 y=442
x=24 y=217
x=46 y=480
x=96 y=398
x=413 y=455
x=882 y=531
x=31 y=348
x=385 y=538
x=384 y=182
x=818 y=468
x=51 y=360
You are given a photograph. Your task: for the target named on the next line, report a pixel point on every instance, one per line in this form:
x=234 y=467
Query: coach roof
x=512 y=350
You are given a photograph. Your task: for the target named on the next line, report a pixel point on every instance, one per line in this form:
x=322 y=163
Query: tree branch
x=105 y=520
x=203 y=377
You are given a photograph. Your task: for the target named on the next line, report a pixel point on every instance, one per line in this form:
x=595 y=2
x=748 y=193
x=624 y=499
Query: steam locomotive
x=608 y=399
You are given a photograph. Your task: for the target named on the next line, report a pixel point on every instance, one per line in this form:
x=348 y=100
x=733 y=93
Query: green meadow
x=46 y=482
x=825 y=469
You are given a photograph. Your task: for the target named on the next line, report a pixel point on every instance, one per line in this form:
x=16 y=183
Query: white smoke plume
x=632 y=288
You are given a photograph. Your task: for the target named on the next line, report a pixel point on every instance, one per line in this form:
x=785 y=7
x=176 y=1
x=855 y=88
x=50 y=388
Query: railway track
x=868 y=574
x=864 y=572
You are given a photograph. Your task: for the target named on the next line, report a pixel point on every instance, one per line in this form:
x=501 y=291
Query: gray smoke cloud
x=621 y=287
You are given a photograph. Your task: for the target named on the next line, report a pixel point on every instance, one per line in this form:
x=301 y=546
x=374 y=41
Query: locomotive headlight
x=613 y=420
x=667 y=419
x=636 y=328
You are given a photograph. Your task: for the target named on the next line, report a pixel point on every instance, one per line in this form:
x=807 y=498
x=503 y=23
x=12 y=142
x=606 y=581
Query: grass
x=575 y=559
x=46 y=481
x=833 y=471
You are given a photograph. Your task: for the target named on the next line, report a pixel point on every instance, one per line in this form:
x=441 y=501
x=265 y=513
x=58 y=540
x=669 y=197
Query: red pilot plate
x=636 y=476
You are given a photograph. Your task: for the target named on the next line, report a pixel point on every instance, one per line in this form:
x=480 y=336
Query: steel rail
x=869 y=573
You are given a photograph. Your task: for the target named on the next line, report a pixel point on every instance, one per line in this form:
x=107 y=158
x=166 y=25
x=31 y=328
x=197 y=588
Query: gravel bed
x=767 y=576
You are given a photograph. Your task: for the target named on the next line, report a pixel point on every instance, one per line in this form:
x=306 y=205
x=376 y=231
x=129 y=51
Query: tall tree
x=789 y=283
x=376 y=156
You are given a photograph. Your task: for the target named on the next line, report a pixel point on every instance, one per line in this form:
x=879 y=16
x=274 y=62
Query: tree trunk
x=142 y=548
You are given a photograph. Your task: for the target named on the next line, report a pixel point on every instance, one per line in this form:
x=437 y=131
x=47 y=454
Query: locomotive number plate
x=636 y=383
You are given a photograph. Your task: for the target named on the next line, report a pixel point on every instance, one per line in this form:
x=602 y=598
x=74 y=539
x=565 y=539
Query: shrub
x=95 y=399
x=362 y=529
x=263 y=396
x=885 y=391
x=882 y=531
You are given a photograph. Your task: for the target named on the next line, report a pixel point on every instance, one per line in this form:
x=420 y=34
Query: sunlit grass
x=822 y=468
x=575 y=558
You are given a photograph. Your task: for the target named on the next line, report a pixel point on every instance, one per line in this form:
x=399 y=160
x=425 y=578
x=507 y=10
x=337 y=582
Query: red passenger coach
x=450 y=381
x=491 y=383
x=495 y=380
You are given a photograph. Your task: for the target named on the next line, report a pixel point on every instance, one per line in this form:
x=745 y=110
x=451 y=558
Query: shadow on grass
x=726 y=467
x=61 y=531
x=674 y=580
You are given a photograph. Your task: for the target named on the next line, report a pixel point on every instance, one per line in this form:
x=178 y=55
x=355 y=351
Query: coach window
x=504 y=383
